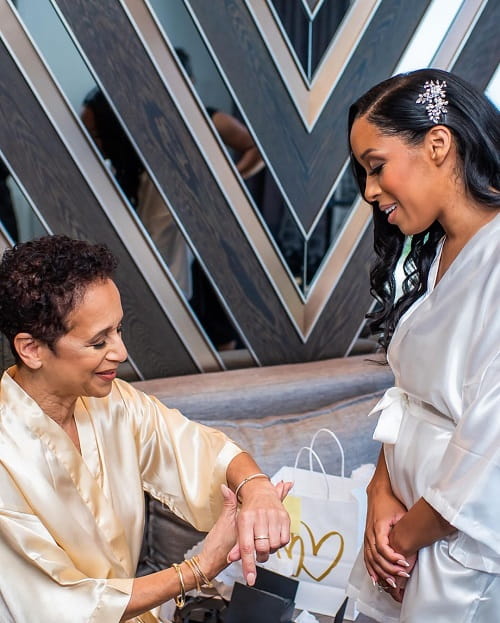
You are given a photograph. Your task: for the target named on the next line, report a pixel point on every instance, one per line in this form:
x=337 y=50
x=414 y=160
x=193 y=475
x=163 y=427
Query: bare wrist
x=399 y=542
x=379 y=487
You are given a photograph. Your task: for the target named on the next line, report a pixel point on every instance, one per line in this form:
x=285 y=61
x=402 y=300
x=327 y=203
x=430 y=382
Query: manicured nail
x=403 y=563
x=228 y=559
x=251 y=579
x=403 y=574
x=391 y=582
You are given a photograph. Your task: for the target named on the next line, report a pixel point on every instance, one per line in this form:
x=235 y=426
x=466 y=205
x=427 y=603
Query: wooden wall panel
x=34 y=151
x=173 y=157
x=307 y=161
x=479 y=58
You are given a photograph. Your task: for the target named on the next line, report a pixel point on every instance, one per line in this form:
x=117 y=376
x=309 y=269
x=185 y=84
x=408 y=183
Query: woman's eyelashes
x=102 y=343
x=376 y=170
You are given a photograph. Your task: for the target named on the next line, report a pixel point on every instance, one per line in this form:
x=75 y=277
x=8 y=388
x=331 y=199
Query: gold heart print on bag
x=315 y=548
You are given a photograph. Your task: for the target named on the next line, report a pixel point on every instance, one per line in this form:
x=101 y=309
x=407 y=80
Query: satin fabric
x=71 y=525
x=440 y=426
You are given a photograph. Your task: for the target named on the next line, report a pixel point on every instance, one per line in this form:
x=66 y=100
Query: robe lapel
x=58 y=485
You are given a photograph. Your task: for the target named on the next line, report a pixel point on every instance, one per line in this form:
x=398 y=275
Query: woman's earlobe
x=28 y=349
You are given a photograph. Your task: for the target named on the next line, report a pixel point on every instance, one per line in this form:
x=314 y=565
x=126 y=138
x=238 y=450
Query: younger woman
x=425 y=149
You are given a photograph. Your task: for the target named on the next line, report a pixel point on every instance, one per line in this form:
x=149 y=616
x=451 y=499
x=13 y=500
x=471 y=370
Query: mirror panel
x=300 y=255
x=310 y=28
x=126 y=168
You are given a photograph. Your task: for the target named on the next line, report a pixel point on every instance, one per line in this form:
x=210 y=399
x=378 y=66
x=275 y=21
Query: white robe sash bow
x=391 y=408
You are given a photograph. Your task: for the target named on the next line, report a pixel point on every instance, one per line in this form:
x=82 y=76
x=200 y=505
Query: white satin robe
x=440 y=426
x=71 y=525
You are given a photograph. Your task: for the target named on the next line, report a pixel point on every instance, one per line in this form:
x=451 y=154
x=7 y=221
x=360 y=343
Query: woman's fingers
x=384 y=570
x=230 y=501
x=263 y=526
x=283 y=489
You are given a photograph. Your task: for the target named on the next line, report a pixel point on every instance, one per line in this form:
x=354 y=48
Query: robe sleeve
x=38 y=581
x=466 y=488
x=182 y=463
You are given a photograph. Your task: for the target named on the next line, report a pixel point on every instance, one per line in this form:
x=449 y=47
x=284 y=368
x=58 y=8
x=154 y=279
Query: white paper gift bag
x=328 y=517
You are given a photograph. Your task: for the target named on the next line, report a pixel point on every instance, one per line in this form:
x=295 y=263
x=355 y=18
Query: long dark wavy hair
x=475 y=125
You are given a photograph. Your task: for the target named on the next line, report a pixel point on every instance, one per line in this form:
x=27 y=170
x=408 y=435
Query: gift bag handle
x=313 y=453
x=336 y=439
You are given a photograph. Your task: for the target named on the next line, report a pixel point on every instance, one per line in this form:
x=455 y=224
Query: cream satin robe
x=440 y=427
x=71 y=526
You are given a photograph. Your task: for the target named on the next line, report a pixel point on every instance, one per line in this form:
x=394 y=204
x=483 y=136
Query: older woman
x=78 y=447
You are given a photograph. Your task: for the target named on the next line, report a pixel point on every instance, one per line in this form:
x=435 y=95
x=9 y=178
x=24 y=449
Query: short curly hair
x=41 y=282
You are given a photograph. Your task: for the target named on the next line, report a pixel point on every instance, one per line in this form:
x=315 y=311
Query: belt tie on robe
x=391 y=407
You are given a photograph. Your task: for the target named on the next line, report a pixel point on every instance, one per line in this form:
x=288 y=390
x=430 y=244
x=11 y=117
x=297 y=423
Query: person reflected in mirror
x=113 y=143
x=425 y=150
x=7 y=212
x=249 y=162
x=78 y=448
x=233 y=133
x=109 y=136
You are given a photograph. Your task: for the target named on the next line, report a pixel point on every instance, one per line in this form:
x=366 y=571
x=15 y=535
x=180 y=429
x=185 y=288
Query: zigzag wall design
x=299 y=125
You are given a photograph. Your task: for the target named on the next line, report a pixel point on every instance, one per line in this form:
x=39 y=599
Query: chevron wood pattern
x=300 y=131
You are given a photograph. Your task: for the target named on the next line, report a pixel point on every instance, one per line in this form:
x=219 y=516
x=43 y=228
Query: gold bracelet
x=205 y=581
x=247 y=479
x=195 y=574
x=180 y=600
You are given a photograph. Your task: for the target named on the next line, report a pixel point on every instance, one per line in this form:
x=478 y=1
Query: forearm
x=250 y=162
x=152 y=590
x=421 y=526
x=380 y=481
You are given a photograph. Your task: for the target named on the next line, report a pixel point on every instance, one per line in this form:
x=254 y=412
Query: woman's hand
x=221 y=538
x=263 y=524
x=387 y=567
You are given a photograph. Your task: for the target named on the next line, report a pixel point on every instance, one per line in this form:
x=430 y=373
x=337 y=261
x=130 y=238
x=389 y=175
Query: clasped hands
x=388 y=567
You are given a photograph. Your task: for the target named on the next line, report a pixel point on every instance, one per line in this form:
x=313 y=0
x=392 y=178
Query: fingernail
x=251 y=579
x=228 y=559
x=374 y=581
x=403 y=574
x=391 y=582
x=403 y=563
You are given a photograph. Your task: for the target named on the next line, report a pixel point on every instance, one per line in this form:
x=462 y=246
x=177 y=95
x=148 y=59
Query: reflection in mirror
x=310 y=31
x=142 y=193
x=301 y=256
x=127 y=168
x=18 y=222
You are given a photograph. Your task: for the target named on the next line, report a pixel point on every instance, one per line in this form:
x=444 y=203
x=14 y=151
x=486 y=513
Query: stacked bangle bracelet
x=199 y=577
x=190 y=564
x=247 y=479
x=195 y=561
x=180 y=600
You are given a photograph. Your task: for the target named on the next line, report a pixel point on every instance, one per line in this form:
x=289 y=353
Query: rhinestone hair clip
x=434 y=98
